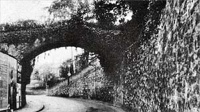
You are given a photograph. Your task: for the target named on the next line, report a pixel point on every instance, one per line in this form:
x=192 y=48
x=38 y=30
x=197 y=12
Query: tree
x=63 y=71
x=108 y=13
x=81 y=62
x=67 y=9
x=105 y=12
x=48 y=78
x=36 y=75
x=65 y=68
x=112 y=14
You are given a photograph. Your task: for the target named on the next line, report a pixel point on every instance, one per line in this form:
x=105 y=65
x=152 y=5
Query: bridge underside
x=26 y=45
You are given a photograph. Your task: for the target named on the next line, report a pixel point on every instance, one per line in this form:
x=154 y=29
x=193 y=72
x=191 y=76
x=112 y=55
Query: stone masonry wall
x=90 y=83
x=163 y=74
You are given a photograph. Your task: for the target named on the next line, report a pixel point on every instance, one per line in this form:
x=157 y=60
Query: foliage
x=65 y=9
x=60 y=90
x=84 y=58
x=81 y=61
x=36 y=75
x=161 y=75
x=21 y=25
x=108 y=13
x=103 y=94
x=50 y=79
x=46 y=76
x=65 y=68
x=104 y=12
x=90 y=83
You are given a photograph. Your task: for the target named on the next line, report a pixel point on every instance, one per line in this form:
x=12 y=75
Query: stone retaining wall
x=163 y=74
x=90 y=83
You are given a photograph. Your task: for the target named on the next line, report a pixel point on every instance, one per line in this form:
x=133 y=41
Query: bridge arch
x=27 y=44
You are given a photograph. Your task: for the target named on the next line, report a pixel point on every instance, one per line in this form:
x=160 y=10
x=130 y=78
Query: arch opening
x=51 y=70
x=63 y=53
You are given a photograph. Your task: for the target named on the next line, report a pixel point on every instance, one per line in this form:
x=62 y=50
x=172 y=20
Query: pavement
x=43 y=103
x=32 y=105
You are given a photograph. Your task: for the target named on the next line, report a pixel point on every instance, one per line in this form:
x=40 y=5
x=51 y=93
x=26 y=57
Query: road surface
x=59 y=104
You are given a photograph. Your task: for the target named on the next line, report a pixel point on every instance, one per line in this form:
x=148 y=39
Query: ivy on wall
x=162 y=75
x=90 y=83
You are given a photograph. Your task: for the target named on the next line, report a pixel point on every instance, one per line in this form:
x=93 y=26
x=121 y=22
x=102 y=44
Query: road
x=59 y=104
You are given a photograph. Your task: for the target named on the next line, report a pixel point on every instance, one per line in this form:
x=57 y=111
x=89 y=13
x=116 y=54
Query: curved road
x=59 y=104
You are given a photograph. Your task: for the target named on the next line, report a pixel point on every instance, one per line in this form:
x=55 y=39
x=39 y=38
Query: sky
x=55 y=57
x=14 y=10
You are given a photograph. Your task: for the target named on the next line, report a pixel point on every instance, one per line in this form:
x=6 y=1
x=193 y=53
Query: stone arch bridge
x=25 y=45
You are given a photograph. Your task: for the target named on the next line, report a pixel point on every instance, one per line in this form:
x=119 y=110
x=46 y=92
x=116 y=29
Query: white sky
x=55 y=57
x=14 y=10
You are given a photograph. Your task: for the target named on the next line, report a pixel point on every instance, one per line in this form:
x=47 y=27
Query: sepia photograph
x=99 y=55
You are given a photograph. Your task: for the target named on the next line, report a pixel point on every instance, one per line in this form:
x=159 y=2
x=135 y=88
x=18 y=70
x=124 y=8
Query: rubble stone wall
x=163 y=74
